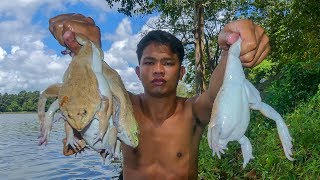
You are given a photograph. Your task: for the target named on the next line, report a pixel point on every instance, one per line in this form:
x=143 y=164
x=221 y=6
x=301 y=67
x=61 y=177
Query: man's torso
x=166 y=150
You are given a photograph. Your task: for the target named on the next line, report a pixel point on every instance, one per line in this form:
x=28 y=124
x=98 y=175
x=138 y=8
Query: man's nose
x=158 y=69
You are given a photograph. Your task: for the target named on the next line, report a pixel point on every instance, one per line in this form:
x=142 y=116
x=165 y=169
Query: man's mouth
x=158 y=82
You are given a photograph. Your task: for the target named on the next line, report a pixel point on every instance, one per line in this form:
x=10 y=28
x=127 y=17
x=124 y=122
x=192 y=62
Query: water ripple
x=22 y=158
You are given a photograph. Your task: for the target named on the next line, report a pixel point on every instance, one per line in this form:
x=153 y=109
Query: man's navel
x=179 y=154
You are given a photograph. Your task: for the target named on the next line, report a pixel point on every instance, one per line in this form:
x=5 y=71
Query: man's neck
x=158 y=109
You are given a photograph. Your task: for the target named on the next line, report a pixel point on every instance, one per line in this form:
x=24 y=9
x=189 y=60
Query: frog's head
x=79 y=115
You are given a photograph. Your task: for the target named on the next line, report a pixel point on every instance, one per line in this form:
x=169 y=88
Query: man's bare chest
x=170 y=139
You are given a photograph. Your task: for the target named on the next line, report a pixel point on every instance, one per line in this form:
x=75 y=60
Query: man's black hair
x=163 y=38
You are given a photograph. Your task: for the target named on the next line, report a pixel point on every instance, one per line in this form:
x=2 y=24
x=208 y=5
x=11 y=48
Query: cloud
x=30 y=69
x=3 y=53
x=121 y=55
x=27 y=62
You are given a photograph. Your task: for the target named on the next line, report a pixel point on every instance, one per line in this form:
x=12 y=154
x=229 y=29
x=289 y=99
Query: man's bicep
x=202 y=107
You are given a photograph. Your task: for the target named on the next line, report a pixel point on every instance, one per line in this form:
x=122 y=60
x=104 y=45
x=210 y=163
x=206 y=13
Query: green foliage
x=292 y=72
x=23 y=101
x=262 y=72
x=295 y=85
x=270 y=161
x=183 y=90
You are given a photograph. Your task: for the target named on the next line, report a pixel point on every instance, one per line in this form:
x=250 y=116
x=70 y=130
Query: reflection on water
x=22 y=158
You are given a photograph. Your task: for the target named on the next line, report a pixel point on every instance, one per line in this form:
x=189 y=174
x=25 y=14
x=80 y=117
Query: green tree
x=14 y=107
x=293 y=27
x=197 y=23
x=23 y=101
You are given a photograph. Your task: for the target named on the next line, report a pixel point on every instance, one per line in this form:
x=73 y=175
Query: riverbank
x=20 y=112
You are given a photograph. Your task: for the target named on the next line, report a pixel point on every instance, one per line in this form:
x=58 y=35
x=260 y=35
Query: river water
x=22 y=158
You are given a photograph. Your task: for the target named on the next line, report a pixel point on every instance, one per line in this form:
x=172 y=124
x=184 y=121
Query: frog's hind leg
x=256 y=104
x=103 y=116
x=246 y=149
x=104 y=88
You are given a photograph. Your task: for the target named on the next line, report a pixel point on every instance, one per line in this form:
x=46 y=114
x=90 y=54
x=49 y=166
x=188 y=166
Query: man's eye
x=148 y=63
x=169 y=63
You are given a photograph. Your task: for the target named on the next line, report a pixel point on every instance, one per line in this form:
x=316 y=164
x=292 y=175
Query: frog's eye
x=84 y=112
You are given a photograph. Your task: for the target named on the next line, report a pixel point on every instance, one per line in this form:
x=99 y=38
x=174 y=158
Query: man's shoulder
x=186 y=103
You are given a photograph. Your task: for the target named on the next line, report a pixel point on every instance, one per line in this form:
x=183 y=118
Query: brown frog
x=90 y=90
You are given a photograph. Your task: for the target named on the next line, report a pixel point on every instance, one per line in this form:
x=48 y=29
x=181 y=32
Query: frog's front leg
x=46 y=125
x=256 y=104
x=214 y=132
x=68 y=150
x=46 y=118
x=72 y=140
x=51 y=91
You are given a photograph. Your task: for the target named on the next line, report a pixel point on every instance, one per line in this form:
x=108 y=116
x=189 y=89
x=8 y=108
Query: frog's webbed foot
x=246 y=149
x=256 y=104
x=73 y=140
x=68 y=150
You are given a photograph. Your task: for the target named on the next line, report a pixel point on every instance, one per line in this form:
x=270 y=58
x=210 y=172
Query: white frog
x=231 y=111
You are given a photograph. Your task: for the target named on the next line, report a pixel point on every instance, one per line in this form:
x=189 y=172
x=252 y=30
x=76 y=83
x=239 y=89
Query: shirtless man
x=170 y=126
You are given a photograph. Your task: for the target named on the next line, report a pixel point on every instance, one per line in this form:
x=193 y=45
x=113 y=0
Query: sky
x=31 y=59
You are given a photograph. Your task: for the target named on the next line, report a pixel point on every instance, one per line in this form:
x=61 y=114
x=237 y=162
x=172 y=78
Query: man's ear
x=138 y=71
x=182 y=72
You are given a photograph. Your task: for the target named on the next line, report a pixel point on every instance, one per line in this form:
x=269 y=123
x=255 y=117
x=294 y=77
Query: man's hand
x=255 y=43
x=63 y=28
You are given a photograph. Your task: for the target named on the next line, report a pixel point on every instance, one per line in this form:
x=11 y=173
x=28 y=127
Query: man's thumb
x=226 y=39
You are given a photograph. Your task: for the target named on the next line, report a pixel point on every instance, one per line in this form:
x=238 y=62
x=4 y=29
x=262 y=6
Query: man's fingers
x=90 y=30
x=72 y=16
x=257 y=46
x=261 y=53
x=56 y=31
x=255 y=43
x=246 y=30
x=58 y=25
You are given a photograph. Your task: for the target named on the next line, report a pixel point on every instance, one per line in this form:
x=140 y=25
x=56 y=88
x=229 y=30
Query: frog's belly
x=90 y=134
x=233 y=112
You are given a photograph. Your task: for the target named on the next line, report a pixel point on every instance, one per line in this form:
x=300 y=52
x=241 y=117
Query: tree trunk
x=199 y=47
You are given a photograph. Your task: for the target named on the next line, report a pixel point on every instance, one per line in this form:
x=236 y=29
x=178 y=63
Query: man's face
x=159 y=70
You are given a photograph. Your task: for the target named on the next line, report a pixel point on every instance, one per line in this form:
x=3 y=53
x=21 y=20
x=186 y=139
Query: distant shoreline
x=20 y=112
